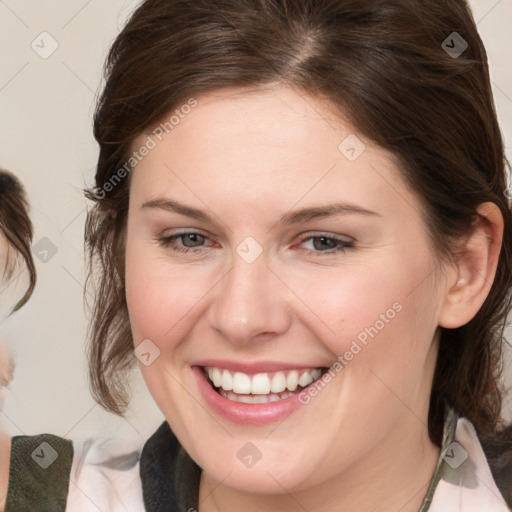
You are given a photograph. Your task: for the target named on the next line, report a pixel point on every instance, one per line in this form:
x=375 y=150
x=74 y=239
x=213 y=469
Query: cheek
x=159 y=295
x=373 y=315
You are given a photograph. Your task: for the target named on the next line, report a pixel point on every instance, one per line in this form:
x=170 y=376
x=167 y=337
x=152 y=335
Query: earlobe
x=475 y=269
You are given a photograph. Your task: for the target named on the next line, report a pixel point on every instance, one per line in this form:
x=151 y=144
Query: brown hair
x=17 y=228
x=385 y=65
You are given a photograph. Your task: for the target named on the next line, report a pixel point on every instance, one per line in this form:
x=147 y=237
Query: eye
x=331 y=244
x=194 y=242
x=195 y=239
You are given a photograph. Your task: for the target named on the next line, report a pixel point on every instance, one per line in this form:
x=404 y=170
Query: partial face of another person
x=225 y=276
x=14 y=278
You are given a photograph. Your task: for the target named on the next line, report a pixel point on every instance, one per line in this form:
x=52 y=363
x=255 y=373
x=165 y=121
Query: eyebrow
x=293 y=217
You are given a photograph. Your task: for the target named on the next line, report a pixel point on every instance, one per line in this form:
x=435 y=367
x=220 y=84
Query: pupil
x=190 y=236
x=323 y=239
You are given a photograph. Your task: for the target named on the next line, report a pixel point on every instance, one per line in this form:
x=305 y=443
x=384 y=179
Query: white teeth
x=292 y=381
x=227 y=381
x=308 y=377
x=217 y=377
x=278 y=383
x=262 y=384
x=241 y=383
x=305 y=379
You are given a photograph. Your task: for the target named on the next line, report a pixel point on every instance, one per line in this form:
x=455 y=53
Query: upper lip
x=255 y=366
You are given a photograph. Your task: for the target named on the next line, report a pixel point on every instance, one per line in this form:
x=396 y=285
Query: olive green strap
x=449 y=429
x=39 y=473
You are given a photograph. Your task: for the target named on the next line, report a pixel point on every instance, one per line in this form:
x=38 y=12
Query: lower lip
x=237 y=412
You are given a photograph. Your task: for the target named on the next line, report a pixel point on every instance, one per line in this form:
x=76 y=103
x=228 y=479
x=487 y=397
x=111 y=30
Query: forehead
x=273 y=144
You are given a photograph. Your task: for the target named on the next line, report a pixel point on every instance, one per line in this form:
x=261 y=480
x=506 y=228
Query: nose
x=250 y=303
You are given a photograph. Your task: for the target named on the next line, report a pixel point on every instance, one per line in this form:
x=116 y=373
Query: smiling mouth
x=260 y=388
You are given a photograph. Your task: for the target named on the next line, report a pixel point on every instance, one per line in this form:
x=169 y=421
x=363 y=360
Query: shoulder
x=498 y=450
x=49 y=473
x=105 y=475
x=38 y=472
x=169 y=475
x=466 y=482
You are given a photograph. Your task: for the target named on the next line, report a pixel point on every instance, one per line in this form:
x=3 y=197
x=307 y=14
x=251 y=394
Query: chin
x=253 y=467
x=264 y=480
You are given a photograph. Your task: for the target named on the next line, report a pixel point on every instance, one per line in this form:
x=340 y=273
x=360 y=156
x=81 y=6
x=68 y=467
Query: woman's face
x=264 y=239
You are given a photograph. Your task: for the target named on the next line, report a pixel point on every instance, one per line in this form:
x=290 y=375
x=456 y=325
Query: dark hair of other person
x=16 y=226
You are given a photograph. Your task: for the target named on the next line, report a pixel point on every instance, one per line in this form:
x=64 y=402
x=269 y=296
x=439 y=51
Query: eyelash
x=344 y=245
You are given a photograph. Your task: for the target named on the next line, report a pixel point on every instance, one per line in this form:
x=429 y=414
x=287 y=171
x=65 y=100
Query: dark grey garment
x=39 y=473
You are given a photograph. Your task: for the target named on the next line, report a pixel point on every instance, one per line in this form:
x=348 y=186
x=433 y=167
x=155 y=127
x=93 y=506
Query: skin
x=5 y=366
x=14 y=280
x=6 y=369
x=5 y=457
x=247 y=157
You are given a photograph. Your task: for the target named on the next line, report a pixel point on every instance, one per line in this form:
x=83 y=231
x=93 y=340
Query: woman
x=302 y=234
x=17 y=269
x=17 y=282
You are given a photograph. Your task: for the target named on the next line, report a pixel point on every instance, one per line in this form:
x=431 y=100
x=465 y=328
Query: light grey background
x=46 y=107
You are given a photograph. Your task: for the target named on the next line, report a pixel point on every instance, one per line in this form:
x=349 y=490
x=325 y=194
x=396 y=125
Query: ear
x=471 y=279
